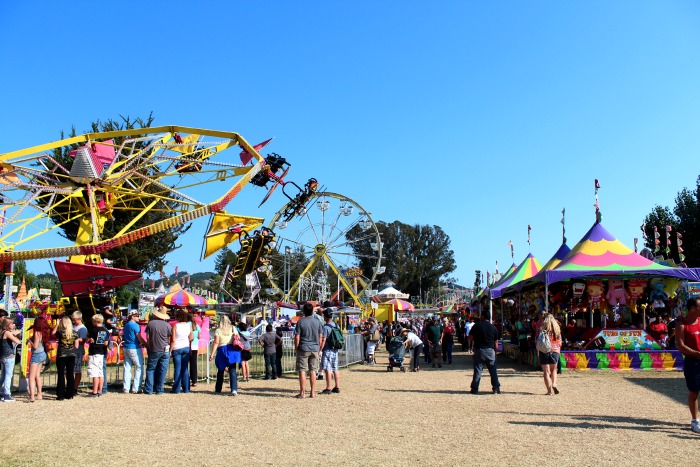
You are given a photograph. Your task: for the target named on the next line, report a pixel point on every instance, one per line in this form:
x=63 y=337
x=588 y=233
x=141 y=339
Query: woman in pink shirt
x=549 y=360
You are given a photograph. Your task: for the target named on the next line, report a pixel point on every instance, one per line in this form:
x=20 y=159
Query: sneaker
x=695 y=426
x=8 y=398
x=335 y=390
x=234 y=393
x=94 y=395
x=496 y=391
x=326 y=391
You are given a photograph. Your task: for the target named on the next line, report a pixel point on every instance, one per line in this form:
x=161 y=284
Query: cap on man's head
x=134 y=313
x=327 y=313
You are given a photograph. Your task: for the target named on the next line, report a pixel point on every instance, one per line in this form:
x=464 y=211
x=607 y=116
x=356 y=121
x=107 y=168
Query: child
x=98 y=339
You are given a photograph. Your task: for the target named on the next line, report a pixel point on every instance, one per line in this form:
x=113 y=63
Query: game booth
x=602 y=293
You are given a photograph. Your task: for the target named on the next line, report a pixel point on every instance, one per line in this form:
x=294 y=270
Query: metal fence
x=351 y=353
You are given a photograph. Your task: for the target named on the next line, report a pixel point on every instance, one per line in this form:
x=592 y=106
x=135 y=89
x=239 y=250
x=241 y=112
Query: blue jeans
x=181 y=365
x=133 y=357
x=8 y=368
x=232 y=377
x=487 y=356
x=447 y=345
x=156 y=369
x=270 y=366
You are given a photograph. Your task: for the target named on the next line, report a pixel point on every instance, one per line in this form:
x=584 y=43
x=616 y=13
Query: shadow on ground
x=672 y=387
x=598 y=422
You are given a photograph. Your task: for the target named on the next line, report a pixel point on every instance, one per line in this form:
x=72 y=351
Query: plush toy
x=635 y=291
x=671 y=286
x=560 y=297
x=594 y=289
x=657 y=294
x=617 y=295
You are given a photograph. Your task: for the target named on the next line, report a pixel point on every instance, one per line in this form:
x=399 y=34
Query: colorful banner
x=623 y=339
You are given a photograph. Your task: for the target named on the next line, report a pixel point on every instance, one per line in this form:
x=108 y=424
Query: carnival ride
x=151 y=176
x=325 y=233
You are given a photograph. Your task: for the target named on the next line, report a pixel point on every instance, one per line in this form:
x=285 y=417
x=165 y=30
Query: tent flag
x=600 y=253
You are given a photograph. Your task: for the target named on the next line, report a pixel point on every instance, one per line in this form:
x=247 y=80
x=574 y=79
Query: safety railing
x=351 y=353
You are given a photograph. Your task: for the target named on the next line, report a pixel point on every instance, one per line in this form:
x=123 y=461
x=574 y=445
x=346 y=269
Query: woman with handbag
x=549 y=360
x=226 y=355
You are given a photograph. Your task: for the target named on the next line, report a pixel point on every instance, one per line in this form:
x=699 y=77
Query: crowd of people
x=428 y=340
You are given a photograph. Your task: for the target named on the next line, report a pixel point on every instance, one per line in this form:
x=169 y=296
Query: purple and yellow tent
x=600 y=254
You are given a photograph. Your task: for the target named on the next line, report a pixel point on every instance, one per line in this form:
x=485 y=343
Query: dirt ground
x=379 y=418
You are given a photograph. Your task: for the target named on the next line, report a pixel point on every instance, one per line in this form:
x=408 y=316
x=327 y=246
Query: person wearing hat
x=158 y=333
x=415 y=345
x=133 y=353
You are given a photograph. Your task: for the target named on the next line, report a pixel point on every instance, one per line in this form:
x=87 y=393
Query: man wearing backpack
x=330 y=344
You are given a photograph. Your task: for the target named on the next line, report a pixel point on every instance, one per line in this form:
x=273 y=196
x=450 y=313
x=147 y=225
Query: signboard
x=623 y=339
x=693 y=289
x=147 y=300
x=44 y=292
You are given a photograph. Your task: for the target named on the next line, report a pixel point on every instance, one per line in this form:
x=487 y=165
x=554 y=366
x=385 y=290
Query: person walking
x=158 y=333
x=485 y=345
x=307 y=337
x=434 y=334
x=133 y=353
x=688 y=342
x=448 y=341
x=329 y=358
x=246 y=354
x=279 y=352
x=549 y=360
x=222 y=338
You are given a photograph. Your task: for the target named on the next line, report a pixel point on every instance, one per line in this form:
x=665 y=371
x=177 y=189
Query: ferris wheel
x=328 y=240
x=330 y=237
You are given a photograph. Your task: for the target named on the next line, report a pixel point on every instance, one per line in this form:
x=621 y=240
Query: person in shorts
x=98 y=338
x=329 y=358
x=688 y=342
x=373 y=335
x=549 y=360
x=307 y=339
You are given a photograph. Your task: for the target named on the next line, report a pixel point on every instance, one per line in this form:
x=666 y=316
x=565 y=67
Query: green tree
x=684 y=219
x=477 y=282
x=416 y=257
x=146 y=254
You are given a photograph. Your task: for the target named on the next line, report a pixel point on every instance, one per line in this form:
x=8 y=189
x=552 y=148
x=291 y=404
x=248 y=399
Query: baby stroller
x=396 y=350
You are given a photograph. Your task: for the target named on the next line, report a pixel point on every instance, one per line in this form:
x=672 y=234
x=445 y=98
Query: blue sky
x=479 y=117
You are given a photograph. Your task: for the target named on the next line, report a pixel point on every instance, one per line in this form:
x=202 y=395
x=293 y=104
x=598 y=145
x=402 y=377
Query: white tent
x=390 y=293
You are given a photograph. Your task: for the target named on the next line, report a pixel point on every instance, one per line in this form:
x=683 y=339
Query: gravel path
x=379 y=418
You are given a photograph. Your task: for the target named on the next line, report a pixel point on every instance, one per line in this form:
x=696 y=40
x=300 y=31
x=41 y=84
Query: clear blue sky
x=479 y=117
